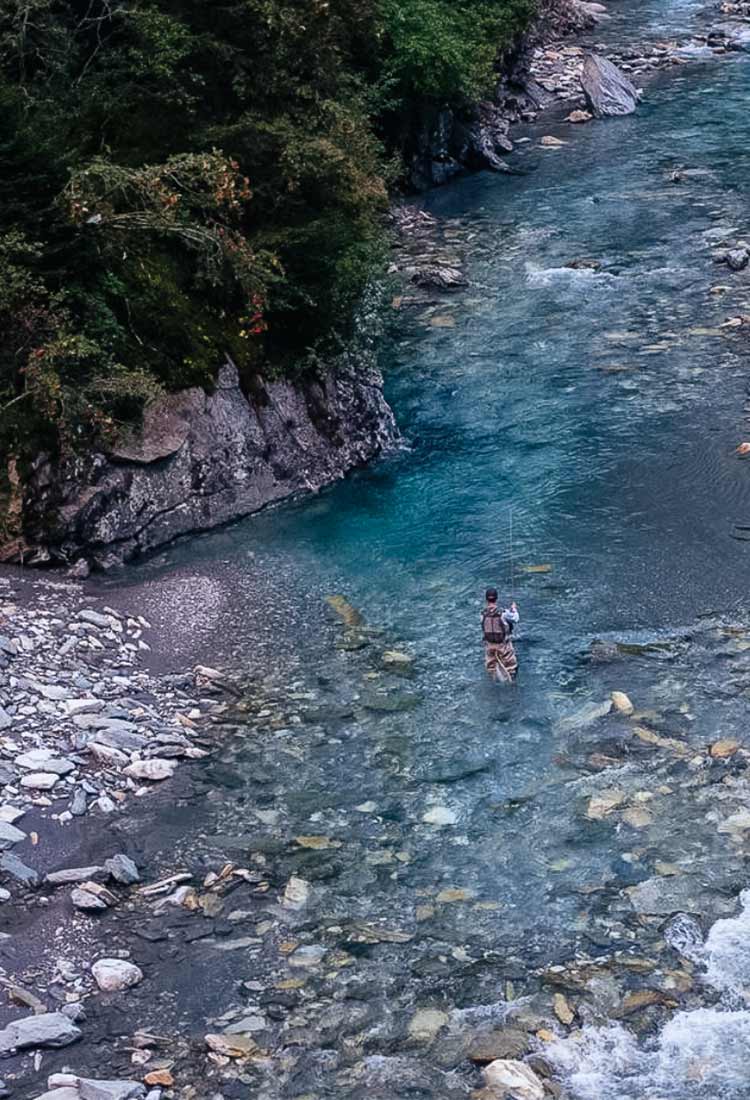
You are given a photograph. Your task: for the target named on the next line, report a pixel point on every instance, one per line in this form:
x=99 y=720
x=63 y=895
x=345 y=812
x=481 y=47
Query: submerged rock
x=426 y=1023
x=607 y=90
x=586 y=716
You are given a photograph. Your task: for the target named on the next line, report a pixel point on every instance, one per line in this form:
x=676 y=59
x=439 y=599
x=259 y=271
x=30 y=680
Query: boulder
x=607 y=90
x=506 y=1079
x=50 y=1029
x=113 y=975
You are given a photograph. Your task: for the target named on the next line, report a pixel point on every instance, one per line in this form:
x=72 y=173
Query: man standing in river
x=497 y=626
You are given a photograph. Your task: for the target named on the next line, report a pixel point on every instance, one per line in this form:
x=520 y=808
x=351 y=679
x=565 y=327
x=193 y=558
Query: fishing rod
x=512 y=556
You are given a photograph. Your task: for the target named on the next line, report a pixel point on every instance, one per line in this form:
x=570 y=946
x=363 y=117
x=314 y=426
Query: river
x=597 y=408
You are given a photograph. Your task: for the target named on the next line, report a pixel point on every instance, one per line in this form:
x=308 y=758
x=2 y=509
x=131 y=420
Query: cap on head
x=491 y=595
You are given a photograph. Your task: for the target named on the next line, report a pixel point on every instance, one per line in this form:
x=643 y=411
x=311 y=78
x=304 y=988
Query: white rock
x=506 y=1079
x=622 y=703
x=112 y=975
x=10 y=814
x=156 y=769
x=40 y=781
x=296 y=894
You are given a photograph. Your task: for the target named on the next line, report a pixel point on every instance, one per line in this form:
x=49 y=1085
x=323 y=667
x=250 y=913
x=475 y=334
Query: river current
x=594 y=411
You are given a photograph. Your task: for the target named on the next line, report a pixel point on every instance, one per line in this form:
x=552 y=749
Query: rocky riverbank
x=429 y=255
x=241 y=925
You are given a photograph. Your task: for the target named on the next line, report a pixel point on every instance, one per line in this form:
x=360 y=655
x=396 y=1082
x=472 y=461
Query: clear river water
x=600 y=406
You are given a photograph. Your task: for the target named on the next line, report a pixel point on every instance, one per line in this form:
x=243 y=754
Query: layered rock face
x=204 y=459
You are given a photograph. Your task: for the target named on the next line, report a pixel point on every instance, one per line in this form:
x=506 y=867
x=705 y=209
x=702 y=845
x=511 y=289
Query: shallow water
x=596 y=411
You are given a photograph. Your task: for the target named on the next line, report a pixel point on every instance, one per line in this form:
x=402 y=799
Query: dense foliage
x=183 y=178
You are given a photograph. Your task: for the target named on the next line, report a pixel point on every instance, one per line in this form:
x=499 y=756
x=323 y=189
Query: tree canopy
x=180 y=179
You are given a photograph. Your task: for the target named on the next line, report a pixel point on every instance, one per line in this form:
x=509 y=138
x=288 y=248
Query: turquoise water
x=598 y=411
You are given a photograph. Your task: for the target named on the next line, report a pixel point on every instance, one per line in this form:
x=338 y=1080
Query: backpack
x=494 y=626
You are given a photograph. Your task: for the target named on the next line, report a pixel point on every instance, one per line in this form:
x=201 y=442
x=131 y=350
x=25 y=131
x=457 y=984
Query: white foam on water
x=568 y=277
x=726 y=953
x=703 y=1053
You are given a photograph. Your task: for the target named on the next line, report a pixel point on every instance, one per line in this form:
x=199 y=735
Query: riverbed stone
x=122 y=869
x=18 y=870
x=10 y=835
x=40 y=781
x=296 y=893
x=44 y=760
x=586 y=716
x=95 y=618
x=493 y=1044
x=50 y=1029
x=90 y=1089
x=71 y=874
x=622 y=704
x=154 y=769
x=603 y=804
x=426 y=1023
x=113 y=975
x=723 y=749
x=506 y=1079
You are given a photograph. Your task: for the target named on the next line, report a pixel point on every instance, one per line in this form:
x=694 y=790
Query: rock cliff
x=204 y=459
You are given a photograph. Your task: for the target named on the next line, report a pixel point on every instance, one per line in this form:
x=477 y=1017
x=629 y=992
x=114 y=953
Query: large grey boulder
x=607 y=90
x=51 y=1029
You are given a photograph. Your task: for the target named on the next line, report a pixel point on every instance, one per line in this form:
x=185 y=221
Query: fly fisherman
x=497 y=626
